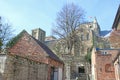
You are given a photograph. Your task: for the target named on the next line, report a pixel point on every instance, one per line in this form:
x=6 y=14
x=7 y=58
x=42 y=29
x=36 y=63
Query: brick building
x=105 y=64
x=102 y=66
x=30 y=59
x=115 y=43
x=114 y=37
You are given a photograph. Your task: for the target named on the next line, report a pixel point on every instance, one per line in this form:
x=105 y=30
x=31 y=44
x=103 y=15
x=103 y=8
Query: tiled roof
x=117 y=17
x=28 y=46
x=47 y=50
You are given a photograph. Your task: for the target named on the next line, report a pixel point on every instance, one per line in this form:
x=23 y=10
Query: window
x=81 y=69
x=90 y=26
x=34 y=34
x=108 y=68
x=82 y=37
x=88 y=37
x=104 y=52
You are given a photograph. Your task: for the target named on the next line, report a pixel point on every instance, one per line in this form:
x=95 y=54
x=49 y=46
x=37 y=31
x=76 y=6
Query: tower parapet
x=39 y=34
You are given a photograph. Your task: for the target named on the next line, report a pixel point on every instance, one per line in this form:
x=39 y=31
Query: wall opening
x=81 y=69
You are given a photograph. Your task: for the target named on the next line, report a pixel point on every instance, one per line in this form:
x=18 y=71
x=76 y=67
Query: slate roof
x=105 y=32
x=117 y=17
x=29 y=46
x=48 y=51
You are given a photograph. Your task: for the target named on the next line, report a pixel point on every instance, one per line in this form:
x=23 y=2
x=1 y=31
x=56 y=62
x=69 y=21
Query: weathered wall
x=104 y=68
x=115 y=39
x=19 y=68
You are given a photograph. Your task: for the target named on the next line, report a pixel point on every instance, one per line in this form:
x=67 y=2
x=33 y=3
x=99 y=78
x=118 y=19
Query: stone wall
x=19 y=68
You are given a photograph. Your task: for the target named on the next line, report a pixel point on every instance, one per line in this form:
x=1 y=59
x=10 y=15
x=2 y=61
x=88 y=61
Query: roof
x=116 y=20
x=47 y=50
x=106 y=49
x=105 y=33
x=116 y=57
x=28 y=46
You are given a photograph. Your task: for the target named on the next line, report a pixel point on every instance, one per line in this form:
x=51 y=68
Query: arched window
x=108 y=68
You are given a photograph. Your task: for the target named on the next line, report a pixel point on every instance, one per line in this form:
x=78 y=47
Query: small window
x=90 y=26
x=88 y=37
x=104 y=53
x=82 y=37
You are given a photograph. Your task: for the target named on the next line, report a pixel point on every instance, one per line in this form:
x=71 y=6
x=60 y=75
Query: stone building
x=76 y=66
x=39 y=34
x=102 y=64
x=30 y=59
x=50 y=38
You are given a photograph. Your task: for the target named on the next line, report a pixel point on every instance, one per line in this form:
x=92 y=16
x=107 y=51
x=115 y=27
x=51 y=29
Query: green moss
x=14 y=40
x=1 y=42
x=88 y=55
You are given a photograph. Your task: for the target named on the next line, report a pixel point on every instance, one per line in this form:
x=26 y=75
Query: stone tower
x=96 y=27
x=39 y=34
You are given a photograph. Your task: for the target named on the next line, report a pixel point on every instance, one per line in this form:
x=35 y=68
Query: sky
x=32 y=14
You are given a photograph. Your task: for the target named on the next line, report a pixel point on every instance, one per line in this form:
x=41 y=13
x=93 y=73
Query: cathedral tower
x=39 y=34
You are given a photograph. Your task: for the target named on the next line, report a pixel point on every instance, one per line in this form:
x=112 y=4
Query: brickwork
x=101 y=72
x=115 y=39
x=103 y=68
x=29 y=59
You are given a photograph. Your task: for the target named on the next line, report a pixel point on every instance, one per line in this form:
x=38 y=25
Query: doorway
x=81 y=69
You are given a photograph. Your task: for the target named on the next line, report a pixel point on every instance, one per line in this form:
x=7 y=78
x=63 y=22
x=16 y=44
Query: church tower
x=96 y=27
x=39 y=34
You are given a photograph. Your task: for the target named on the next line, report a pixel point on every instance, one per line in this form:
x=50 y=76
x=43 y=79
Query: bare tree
x=5 y=32
x=68 y=20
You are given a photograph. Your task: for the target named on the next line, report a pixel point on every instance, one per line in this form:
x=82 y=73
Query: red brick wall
x=115 y=39
x=104 y=68
x=28 y=48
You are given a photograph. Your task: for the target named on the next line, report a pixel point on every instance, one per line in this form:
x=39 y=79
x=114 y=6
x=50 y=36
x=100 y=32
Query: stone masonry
x=20 y=68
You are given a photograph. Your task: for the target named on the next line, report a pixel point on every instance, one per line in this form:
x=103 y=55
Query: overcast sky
x=31 y=14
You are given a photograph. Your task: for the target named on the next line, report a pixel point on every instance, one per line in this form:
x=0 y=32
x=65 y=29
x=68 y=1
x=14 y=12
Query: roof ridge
x=47 y=50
